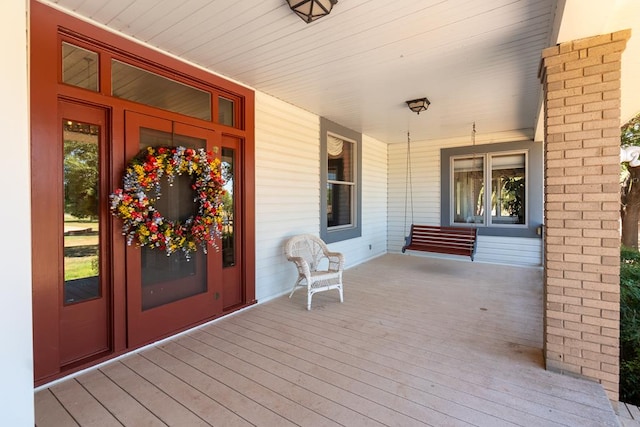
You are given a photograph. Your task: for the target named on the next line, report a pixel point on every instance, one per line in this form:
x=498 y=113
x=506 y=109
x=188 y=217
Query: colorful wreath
x=144 y=225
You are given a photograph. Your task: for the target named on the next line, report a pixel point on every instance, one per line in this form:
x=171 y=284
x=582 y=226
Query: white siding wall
x=16 y=357
x=288 y=192
x=509 y=250
x=425 y=178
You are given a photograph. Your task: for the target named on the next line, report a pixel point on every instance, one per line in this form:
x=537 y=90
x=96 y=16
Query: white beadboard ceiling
x=476 y=61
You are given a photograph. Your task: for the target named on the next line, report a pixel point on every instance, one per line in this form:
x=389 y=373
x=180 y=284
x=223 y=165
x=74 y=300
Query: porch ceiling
x=475 y=61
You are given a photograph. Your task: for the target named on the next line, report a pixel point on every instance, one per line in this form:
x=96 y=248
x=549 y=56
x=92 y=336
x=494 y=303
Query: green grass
x=80 y=267
x=81 y=250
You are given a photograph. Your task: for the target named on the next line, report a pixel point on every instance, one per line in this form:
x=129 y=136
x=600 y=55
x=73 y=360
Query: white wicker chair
x=318 y=269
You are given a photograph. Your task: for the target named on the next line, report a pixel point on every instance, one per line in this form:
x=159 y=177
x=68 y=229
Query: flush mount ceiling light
x=417 y=105
x=310 y=10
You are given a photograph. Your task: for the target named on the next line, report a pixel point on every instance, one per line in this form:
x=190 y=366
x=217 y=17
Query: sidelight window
x=81 y=211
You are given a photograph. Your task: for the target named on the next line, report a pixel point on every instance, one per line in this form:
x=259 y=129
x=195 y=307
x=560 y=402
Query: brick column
x=581 y=82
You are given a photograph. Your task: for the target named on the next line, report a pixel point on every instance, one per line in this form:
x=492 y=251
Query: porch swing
x=432 y=238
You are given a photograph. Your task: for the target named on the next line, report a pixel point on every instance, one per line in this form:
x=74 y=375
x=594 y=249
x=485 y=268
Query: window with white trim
x=495 y=187
x=340 y=182
x=504 y=174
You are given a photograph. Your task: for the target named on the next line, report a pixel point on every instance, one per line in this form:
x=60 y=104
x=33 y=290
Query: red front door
x=168 y=293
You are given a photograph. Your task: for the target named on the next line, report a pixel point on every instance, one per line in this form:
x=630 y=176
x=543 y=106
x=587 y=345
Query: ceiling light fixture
x=310 y=10
x=417 y=105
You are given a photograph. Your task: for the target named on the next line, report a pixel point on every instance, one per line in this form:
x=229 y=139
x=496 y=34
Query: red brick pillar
x=581 y=82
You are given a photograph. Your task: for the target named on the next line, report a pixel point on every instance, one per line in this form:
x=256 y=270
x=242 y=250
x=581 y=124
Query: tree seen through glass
x=81 y=211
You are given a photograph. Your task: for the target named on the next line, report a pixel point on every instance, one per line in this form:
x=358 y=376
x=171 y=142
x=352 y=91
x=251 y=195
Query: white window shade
x=469 y=165
x=334 y=146
x=508 y=161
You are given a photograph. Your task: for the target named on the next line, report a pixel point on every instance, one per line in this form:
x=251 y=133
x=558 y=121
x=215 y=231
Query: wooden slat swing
x=432 y=238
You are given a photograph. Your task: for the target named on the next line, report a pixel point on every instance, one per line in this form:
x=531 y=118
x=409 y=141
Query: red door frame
x=48 y=27
x=232 y=297
x=86 y=325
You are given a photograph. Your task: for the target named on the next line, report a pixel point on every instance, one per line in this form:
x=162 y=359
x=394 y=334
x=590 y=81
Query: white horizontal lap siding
x=287 y=188
x=374 y=195
x=509 y=250
x=373 y=241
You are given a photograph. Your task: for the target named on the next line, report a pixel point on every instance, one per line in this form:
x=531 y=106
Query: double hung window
x=340 y=182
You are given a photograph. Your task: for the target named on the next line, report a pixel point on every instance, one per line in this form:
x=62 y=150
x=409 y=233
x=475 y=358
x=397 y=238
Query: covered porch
x=389 y=377
x=418 y=341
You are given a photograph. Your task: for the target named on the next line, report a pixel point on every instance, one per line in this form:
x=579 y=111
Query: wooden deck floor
x=418 y=341
x=629 y=415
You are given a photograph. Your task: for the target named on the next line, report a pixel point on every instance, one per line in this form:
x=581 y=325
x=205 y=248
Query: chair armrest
x=336 y=261
x=301 y=265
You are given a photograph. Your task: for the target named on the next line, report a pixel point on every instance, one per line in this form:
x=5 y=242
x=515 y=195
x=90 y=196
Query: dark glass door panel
x=166 y=279
x=232 y=225
x=228 y=236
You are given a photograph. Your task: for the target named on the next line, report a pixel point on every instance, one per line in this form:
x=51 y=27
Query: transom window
x=81 y=65
x=138 y=85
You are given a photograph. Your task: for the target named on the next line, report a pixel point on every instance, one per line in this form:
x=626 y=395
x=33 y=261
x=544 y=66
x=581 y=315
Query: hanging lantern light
x=310 y=10
x=418 y=105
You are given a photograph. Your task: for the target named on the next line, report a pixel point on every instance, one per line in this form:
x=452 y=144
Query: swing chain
x=474 y=201
x=408 y=189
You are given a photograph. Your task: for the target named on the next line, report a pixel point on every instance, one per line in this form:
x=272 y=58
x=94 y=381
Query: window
x=507 y=181
x=468 y=190
x=130 y=78
x=79 y=67
x=340 y=183
x=81 y=173
x=508 y=189
x=225 y=111
x=495 y=187
x=138 y=85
